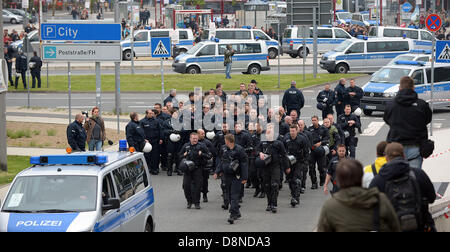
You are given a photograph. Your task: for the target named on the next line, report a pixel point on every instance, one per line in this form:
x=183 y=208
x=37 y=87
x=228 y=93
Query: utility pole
x=3 y=156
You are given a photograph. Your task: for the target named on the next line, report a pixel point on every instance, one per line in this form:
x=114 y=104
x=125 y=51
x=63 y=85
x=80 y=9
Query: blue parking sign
x=161 y=47
x=442 y=51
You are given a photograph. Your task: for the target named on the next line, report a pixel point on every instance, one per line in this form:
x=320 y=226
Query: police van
x=79 y=192
x=413 y=55
x=327 y=39
x=422 y=38
x=251 y=57
x=245 y=33
x=364 y=17
x=384 y=84
x=182 y=41
x=366 y=54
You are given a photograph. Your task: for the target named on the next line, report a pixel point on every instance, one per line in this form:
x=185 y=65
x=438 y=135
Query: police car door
x=206 y=58
x=109 y=220
x=441 y=84
x=324 y=40
x=420 y=86
x=141 y=43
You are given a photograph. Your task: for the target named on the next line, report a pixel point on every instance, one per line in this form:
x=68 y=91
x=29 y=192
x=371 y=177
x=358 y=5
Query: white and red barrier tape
x=439 y=154
x=446 y=210
x=439 y=100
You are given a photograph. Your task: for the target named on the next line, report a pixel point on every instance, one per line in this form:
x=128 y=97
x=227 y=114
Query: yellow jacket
x=368 y=173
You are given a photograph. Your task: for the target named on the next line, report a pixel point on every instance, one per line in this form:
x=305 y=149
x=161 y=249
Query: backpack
x=405 y=196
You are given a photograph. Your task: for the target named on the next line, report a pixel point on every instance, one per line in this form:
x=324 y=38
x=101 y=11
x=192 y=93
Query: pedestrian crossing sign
x=161 y=47
x=442 y=51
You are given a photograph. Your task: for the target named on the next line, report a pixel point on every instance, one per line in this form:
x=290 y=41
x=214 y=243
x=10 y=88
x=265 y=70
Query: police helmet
x=175 y=137
x=358 y=112
x=147 y=147
x=210 y=135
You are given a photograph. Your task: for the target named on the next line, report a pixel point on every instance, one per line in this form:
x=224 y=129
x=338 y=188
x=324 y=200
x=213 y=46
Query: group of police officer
x=259 y=150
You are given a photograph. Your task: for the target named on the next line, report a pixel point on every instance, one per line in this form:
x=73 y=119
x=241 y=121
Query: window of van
x=373 y=32
x=159 y=34
x=340 y=34
x=142 y=36
x=233 y=35
x=130 y=179
x=412 y=34
x=261 y=35
x=183 y=35
x=426 y=36
x=356 y=48
x=223 y=48
x=392 y=33
x=324 y=33
x=250 y=48
x=440 y=74
x=388 y=46
x=287 y=33
x=418 y=77
x=207 y=50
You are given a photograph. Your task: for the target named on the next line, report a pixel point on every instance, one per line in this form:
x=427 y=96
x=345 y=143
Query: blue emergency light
x=422 y=51
x=341 y=11
x=247 y=27
x=362 y=37
x=123 y=146
x=326 y=26
x=69 y=160
x=410 y=62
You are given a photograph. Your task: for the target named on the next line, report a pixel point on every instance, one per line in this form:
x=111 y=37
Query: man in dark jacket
x=135 y=133
x=339 y=101
x=210 y=162
x=293 y=99
x=76 y=135
x=326 y=101
x=154 y=134
x=320 y=139
x=408 y=117
x=398 y=167
x=8 y=60
x=353 y=97
x=35 y=67
x=348 y=122
x=21 y=68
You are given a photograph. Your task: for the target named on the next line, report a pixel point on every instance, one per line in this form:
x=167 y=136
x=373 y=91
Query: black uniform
x=351 y=142
x=162 y=117
x=297 y=147
x=233 y=178
x=8 y=59
x=219 y=144
x=207 y=168
x=271 y=175
x=192 y=180
x=340 y=93
x=332 y=172
x=135 y=136
x=293 y=99
x=319 y=134
x=308 y=136
x=326 y=98
x=255 y=177
x=21 y=68
x=76 y=136
x=355 y=101
x=243 y=139
x=153 y=133
x=36 y=71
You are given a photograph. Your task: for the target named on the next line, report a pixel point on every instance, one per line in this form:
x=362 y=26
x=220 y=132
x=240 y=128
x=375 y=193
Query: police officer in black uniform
x=348 y=123
x=325 y=101
x=154 y=135
x=173 y=143
x=242 y=138
x=251 y=153
x=320 y=139
x=293 y=99
x=198 y=154
x=271 y=155
x=76 y=134
x=340 y=93
x=302 y=131
x=354 y=94
x=296 y=146
x=35 y=67
x=207 y=168
x=219 y=144
x=21 y=68
x=8 y=60
x=162 y=117
x=135 y=133
x=234 y=170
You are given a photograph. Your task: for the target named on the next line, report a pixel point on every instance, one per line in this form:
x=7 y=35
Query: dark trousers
x=205 y=178
x=163 y=155
x=252 y=175
x=10 y=74
x=152 y=158
x=295 y=178
x=172 y=155
x=305 y=172
x=317 y=156
x=271 y=183
x=326 y=112
x=340 y=109
x=23 y=80
x=350 y=144
x=192 y=185
x=36 y=75
x=259 y=168
x=233 y=189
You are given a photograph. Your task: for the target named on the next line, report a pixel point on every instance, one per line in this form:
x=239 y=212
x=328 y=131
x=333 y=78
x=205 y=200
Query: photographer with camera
x=272 y=156
x=95 y=128
x=348 y=122
x=193 y=156
x=296 y=146
x=234 y=169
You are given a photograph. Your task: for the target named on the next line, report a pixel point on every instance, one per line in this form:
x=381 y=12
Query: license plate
x=371 y=107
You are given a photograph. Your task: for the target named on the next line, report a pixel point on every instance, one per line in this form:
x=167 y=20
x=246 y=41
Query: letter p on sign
x=50 y=31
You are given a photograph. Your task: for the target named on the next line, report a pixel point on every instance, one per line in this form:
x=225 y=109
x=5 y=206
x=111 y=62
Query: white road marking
x=373 y=128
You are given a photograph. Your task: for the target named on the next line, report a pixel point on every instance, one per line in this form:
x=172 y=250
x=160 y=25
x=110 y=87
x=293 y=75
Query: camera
x=85 y=113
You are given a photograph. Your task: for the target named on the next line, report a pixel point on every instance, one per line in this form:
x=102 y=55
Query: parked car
x=23 y=14
x=9 y=17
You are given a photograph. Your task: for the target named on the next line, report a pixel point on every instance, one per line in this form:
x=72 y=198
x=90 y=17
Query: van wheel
x=13 y=21
x=126 y=55
x=273 y=53
x=254 y=69
x=367 y=112
x=148 y=227
x=342 y=68
x=300 y=52
x=293 y=55
x=193 y=70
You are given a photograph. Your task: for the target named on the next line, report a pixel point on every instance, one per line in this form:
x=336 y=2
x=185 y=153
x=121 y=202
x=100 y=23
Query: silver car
x=9 y=17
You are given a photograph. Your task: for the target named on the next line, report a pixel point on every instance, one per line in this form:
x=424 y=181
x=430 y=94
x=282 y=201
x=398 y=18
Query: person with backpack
x=372 y=170
x=356 y=209
x=409 y=190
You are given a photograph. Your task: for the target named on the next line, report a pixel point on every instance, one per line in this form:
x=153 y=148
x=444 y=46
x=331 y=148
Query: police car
x=413 y=55
x=364 y=18
x=422 y=38
x=343 y=17
x=79 y=192
x=384 y=84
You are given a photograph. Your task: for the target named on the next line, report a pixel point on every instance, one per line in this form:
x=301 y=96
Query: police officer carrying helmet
x=21 y=69
x=293 y=99
x=325 y=101
x=35 y=67
x=303 y=131
x=234 y=169
x=76 y=135
x=272 y=156
x=209 y=165
x=135 y=133
x=194 y=156
x=320 y=141
x=354 y=94
x=348 y=122
x=174 y=143
x=296 y=147
x=154 y=135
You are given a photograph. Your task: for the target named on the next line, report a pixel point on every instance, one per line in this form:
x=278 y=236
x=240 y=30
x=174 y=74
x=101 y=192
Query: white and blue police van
x=343 y=17
x=244 y=33
x=422 y=38
x=81 y=192
x=364 y=18
x=364 y=54
x=182 y=41
x=413 y=55
x=327 y=38
x=251 y=57
x=384 y=84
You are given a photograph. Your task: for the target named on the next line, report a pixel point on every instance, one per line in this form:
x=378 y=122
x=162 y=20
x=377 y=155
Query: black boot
x=314 y=186
x=205 y=197
x=262 y=195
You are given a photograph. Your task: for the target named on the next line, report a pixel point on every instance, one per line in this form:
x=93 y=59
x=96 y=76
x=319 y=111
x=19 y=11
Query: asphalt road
x=171 y=211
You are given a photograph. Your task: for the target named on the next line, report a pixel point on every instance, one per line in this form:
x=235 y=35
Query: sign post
x=161 y=48
x=433 y=23
x=3 y=89
x=304 y=32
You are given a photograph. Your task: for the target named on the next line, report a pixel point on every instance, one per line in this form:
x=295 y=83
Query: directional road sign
x=81 y=31
x=161 y=47
x=442 y=51
x=433 y=22
x=94 y=52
